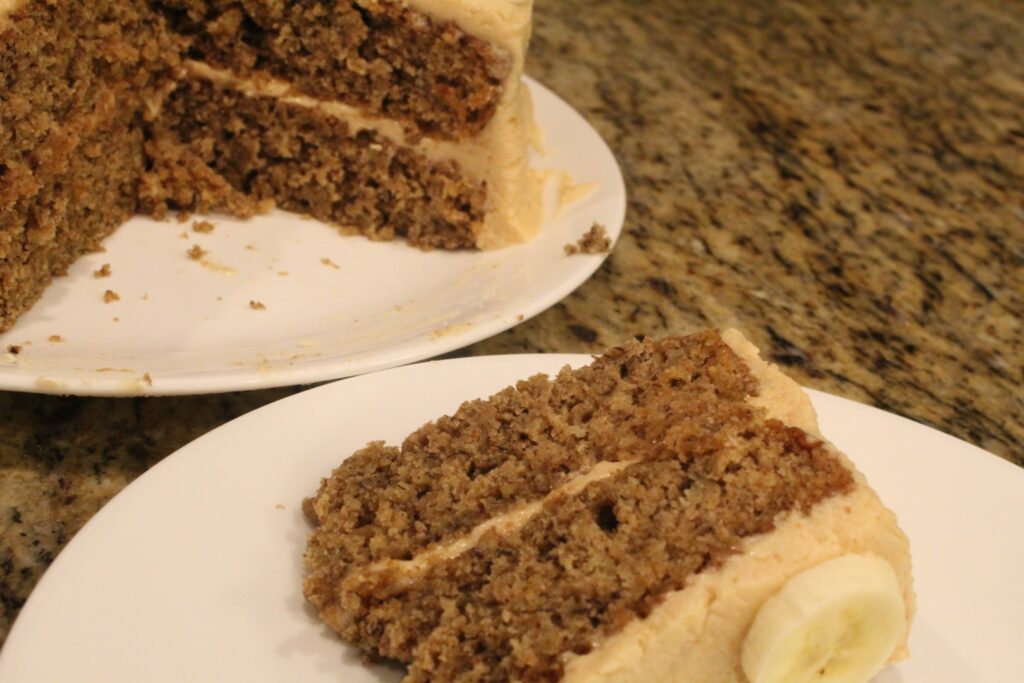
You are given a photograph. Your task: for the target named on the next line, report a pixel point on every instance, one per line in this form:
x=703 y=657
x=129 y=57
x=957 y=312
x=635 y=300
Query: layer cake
x=391 y=118
x=654 y=516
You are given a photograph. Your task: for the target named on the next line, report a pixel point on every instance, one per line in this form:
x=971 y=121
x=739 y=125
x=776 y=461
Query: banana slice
x=838 y=622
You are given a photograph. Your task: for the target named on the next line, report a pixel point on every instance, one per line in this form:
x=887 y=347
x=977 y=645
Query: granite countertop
x=844 y=182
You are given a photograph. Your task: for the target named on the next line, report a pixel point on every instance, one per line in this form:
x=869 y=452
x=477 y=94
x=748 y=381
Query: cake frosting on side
x=625 y=521
x=501 y=154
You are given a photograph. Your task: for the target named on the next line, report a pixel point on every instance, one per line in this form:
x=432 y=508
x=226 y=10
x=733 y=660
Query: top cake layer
x=533 y=535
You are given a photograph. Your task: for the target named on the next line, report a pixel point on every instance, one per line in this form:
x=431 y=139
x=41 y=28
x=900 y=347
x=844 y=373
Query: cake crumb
x=14 y=349
x=183 y=235
x=202 y=226
x=329 y=263
x=256 y=305
x=147 y=378
x=196 y=252
x=250 y=247
x=145 y=296
x=279 y=506
x=104 y=271
x=519 y=317
x=183 y=216
x=56 y=338
x=593 y=241
x=110 y=296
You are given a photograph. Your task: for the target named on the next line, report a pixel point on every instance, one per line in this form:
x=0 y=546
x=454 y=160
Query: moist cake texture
x=76 y=77
x=308 y=163
x=390 y=118
x=561 y=528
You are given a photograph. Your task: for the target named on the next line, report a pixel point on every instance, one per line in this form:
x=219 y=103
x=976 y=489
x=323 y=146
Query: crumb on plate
x=330 y=264
x=56 y=338
x=202 y=226
x=104 y=271
x=593 y=241
x=110 y=296
x=256 y=305
x=196 y=252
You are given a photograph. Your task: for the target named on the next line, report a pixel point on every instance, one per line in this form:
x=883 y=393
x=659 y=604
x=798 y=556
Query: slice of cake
x=390 y=118
x=668 y=513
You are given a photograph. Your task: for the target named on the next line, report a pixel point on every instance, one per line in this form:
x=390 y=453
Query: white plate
x=181 y=327
x=193 y=573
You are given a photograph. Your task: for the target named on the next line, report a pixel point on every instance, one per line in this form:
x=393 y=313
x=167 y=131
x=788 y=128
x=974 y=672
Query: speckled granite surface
x=846 y=185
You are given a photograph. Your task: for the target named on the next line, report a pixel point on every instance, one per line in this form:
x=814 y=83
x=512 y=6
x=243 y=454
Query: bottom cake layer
x=309 y=162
